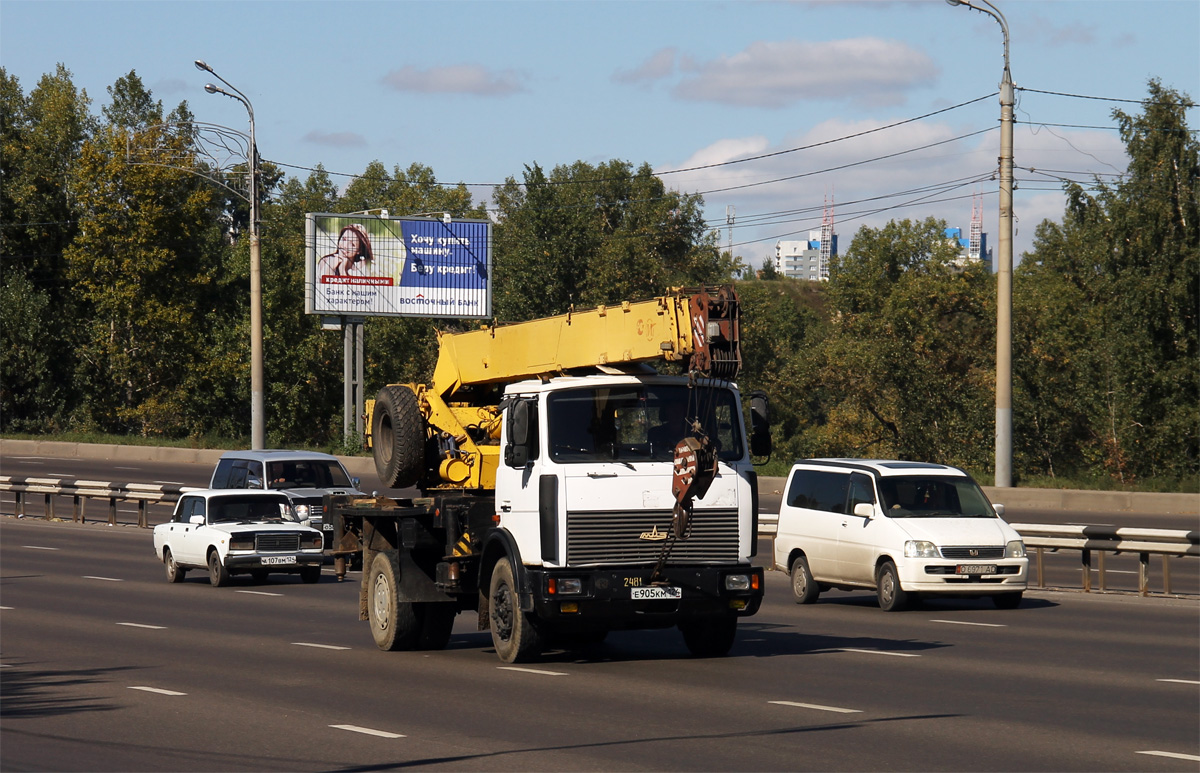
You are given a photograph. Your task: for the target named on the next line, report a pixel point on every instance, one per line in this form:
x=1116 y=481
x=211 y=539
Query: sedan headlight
x=312 y=542
x=919 y=548
x=301 y=512
x=1015 y=549
x=241 y=542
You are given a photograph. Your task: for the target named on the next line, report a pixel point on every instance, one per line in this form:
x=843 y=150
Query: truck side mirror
x=521 y=436
x=760 y=424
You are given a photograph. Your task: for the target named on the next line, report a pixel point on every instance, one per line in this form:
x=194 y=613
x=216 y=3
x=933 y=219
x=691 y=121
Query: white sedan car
x=237 y=532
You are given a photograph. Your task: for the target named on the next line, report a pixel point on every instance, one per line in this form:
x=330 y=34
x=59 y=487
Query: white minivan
x=904 y=529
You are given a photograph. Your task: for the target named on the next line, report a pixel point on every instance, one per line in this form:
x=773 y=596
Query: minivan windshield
x=918 y=496
x=640 y=423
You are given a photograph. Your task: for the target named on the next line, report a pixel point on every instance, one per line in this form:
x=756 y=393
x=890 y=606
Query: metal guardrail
x=1100 y=540
x=82 y=490
x=1109 y=539
x=1039 y=537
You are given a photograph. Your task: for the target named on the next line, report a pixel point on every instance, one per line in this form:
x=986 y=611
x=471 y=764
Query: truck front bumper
x=626 y=598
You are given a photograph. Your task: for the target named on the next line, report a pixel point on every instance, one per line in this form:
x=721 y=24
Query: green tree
x=589 y=235
x=142 y=266
x=1127 y=256
x=40 y=139
x=907 y=369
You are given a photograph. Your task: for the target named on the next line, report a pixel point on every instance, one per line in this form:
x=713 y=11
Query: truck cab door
x=522 y=496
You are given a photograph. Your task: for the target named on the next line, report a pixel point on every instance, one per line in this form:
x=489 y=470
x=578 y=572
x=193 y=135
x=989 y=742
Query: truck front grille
x=269 y=543
x=608 y=537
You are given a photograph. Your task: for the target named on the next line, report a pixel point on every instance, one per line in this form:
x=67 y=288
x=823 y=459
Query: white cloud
x=455 y=79
x=869 y=71
x=657 y=66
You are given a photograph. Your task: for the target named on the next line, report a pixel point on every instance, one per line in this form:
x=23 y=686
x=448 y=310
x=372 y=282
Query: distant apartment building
x=806 y=258
x=972 y=248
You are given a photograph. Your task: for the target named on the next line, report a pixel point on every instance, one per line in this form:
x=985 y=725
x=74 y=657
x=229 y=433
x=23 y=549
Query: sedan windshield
x=640 y=423
x=306 y=473
x=914 y=496
x=238 y=509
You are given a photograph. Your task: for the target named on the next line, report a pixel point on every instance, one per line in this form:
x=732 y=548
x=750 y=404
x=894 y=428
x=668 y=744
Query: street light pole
x=257 y=432
x=1004 y=268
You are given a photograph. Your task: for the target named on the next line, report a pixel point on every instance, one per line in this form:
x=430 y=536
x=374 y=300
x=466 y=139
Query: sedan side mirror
x=196 y=520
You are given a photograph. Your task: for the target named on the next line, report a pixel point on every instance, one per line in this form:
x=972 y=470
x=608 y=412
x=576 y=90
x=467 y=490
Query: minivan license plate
x=975 y=569
x=655 y=592
x=279 y=559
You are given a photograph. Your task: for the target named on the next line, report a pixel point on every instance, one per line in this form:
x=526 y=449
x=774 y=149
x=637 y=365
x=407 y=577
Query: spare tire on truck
x=398 y=437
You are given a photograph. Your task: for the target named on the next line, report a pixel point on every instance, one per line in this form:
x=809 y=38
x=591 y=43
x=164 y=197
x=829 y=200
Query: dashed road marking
x=1173 y=755
x=965 y=622
x=38 y=547
x=319 y=646
x=1178 y=681
x=533 y=671
x=5 y=607
x=105 y=579
x=367 y=731
x=158 y=691
x=883 y=652
x=258 y=592
x=143 y=625
x=817 y=707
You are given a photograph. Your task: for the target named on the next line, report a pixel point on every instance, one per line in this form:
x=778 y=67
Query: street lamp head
x=211 y=89
x=200 y=65
x=948 y=2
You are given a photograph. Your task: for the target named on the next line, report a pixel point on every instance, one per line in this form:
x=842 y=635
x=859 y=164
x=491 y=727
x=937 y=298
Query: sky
x=773 y=111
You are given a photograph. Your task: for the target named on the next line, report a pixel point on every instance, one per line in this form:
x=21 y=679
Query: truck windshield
x=640 y=423
x=914 y=496
x=237 y=509
x=306 y=473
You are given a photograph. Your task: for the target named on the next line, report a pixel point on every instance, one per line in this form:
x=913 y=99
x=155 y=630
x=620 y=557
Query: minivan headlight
x=919 y=548
x=1015 y=549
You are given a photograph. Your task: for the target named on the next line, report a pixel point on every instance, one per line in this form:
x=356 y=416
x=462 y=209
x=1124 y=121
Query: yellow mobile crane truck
x=569 y=488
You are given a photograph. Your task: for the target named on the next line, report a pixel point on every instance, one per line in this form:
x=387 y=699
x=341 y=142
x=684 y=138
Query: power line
x=1182 y=103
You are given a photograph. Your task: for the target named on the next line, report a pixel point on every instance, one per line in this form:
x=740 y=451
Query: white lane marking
x=143 y=625
x=158 y=691
x=533 y=671
x=5 y=607
x=367 y=731
x=1173 y=755
x=258 y=593
x=127 y=468
x=170 y=482
x=320 y=646
x=1178 y=681
x=106 y=579
x=818 y=707
x=883 y=652
x=38 y=547
x=1119 y=571
x=964 y=622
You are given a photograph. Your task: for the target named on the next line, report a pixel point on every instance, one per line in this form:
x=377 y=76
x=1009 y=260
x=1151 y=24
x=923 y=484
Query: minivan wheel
x=804 y=587
x=892 y=597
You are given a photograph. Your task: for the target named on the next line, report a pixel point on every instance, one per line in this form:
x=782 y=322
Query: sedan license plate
x=656 y=592
x=975 y=569
x=279 y=559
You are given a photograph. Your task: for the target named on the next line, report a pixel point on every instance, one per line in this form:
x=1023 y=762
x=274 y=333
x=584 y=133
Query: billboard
x=368 y=265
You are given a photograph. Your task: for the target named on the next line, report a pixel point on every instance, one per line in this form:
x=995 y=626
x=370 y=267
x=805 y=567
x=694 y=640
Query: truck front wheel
x=393 y=623
x=513 y=634
x=709 y=637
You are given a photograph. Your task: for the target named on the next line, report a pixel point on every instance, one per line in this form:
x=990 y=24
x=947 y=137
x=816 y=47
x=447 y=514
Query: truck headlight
x=565 y=586
x=919 y=548
x=301 y=512
x=1015 y=549
x=737 y=582
x=241 y=542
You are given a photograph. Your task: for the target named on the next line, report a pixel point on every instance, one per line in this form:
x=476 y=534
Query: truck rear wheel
x=513 y=634
x=709 y=637
x=398 y=437
x=394 y=624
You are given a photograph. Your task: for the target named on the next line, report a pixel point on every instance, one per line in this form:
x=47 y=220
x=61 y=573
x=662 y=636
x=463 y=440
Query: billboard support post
x=352 y=376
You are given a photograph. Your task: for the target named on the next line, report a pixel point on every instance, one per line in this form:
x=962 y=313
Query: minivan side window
x=861 y=491
x=819 y=490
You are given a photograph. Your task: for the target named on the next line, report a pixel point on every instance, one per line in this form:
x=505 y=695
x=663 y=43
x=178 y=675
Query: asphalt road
x=106 y=666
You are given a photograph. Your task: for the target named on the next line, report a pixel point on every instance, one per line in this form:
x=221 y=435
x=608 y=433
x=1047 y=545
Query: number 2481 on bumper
x=656 y=592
